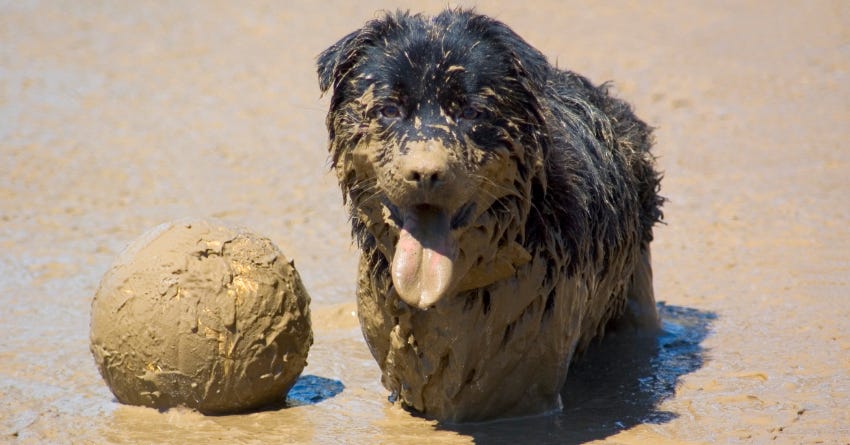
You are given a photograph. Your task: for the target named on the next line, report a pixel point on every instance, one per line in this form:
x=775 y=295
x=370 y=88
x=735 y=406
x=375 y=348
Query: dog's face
x=434 y=126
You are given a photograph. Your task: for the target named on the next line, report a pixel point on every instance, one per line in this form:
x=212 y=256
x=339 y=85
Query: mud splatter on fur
x=503 y=208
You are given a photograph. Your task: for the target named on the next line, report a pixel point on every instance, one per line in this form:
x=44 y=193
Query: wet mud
x=116 y=118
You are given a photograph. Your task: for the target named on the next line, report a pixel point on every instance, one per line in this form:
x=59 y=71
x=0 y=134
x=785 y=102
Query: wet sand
x=117 y=117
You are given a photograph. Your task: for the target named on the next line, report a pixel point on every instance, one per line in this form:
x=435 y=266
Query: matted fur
x=537 y=192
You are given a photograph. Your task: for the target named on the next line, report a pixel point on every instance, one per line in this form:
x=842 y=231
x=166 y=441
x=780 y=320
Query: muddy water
x=117 y=117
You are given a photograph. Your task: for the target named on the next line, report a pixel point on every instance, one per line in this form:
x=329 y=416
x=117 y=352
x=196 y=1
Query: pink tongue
x=424 y=257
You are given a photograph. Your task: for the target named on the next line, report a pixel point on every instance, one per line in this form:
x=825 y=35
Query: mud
x=114 y=119
x=195 y=313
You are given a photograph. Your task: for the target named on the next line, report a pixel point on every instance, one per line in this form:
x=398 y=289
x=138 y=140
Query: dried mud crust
x=199 y=314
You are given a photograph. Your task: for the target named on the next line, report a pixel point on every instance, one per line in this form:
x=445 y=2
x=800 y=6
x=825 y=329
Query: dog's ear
x=338 y=59
x=527 y=61
x=335 y=62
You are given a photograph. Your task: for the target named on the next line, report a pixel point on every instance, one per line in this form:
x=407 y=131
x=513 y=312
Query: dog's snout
x=425 y=165
x=424 y=174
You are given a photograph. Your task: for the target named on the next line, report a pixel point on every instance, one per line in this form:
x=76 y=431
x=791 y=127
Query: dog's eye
x=469 y=113
x=390 y=111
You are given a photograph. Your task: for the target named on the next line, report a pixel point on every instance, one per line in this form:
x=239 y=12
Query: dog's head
x=436 y=138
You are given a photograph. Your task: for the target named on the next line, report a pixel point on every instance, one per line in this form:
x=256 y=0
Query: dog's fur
x=503 y=208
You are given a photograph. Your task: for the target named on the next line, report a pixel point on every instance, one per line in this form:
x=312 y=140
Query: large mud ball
x=199 y=314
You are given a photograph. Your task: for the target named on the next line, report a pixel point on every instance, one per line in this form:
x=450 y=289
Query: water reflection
x=312 y=389
x=618 y=384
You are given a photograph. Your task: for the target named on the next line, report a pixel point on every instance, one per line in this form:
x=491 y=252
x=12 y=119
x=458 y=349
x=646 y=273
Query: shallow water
x=117 y=117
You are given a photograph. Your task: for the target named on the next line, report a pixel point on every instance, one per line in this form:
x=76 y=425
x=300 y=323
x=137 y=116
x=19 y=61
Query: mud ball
x=199 y=314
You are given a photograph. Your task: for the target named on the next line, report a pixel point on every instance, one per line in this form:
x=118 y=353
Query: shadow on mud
x=617 y=384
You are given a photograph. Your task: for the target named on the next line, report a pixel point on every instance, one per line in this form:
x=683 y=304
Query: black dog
x=503 y=208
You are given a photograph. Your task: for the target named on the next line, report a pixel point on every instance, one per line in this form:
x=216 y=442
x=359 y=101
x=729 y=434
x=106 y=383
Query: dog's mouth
x=423 y=266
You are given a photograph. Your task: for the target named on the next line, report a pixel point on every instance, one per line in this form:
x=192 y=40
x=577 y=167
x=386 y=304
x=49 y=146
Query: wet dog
x=503 y=208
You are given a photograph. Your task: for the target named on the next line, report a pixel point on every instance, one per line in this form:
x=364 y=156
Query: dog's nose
x=425 y=165
x=425 y=174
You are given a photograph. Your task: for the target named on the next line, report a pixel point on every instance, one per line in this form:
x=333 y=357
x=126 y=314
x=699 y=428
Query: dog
x=503 y=209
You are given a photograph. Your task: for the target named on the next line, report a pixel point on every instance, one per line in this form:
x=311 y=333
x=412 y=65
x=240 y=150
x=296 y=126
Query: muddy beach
x=117 y=117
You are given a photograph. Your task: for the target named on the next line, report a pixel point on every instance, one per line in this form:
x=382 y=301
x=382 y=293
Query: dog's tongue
x=424 y=258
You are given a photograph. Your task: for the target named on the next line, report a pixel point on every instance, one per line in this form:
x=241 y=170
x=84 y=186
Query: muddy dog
x=503 y=208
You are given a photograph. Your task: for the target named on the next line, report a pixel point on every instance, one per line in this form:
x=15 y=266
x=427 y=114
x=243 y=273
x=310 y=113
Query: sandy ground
x=117 y=116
